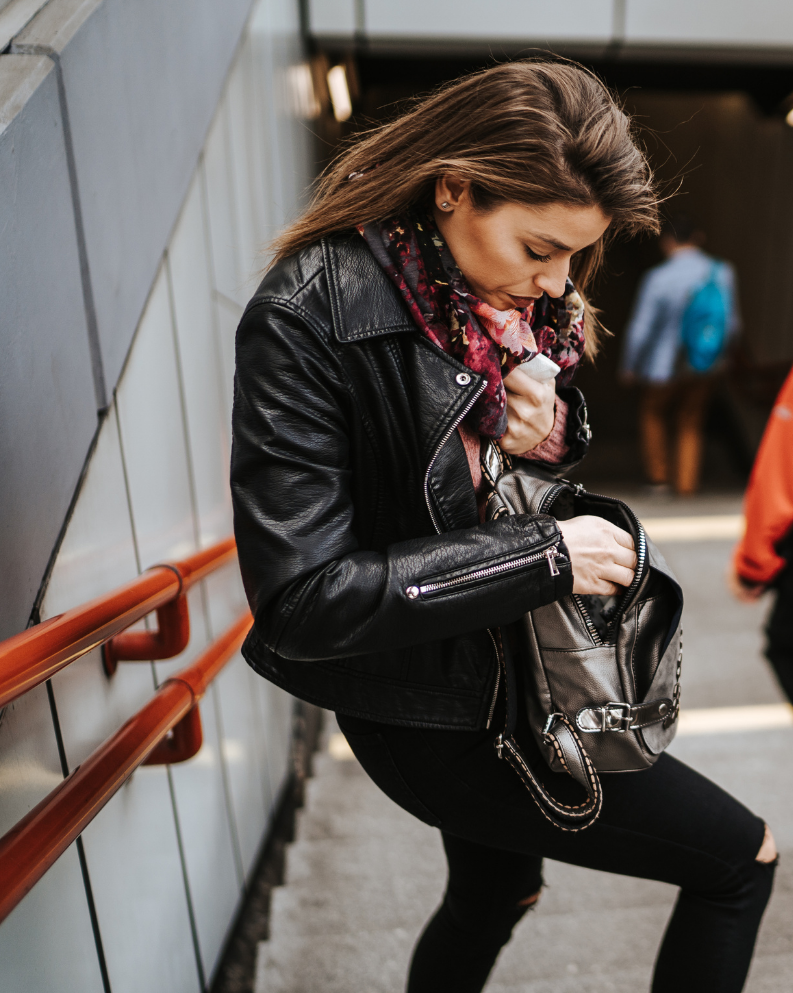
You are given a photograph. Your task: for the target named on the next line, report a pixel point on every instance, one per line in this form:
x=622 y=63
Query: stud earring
x=446 y=205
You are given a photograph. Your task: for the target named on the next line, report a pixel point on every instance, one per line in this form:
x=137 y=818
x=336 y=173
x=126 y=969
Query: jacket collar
x=364 y=302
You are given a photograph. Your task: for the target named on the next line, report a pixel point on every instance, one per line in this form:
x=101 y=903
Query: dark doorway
x=717 y=137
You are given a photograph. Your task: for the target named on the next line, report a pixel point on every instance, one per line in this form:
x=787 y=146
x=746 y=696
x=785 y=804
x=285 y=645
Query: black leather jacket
x=372 y=582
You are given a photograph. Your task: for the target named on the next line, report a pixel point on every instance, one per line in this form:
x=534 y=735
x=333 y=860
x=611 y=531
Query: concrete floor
x=363 y=875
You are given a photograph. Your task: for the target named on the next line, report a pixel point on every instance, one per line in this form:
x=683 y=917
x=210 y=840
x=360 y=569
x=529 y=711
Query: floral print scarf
x=489 y=342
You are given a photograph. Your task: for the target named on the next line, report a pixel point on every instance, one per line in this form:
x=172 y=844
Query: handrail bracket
x=171 y=637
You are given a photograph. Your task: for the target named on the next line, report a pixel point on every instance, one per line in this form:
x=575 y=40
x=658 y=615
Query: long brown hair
x=531 y=132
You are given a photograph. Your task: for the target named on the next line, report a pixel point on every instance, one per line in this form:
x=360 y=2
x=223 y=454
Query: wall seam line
x=89 y=305
x=225 y=400
x=35 y=610
x=89 y=893
x=186 y=882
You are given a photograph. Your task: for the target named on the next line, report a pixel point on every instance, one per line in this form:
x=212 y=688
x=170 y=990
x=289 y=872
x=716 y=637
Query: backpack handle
x=561 y=735
x=563 y=738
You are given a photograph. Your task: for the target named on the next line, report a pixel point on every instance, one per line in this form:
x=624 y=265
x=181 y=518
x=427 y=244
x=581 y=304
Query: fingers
x=529 y=421
x=602 y=555
x=622 y=537
x=620 y=547
x=600 y=587
x=520 y=384
x=527 y=409
x=617 y=574
x=625 y=558
x=618 y=542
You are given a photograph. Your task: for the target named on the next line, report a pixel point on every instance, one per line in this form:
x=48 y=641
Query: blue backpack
x=705 y=320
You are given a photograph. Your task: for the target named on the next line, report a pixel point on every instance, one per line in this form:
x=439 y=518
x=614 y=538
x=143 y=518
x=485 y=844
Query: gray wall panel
x=449 y=20
x=142 y=81
x=47 y=407
x=332 y=18
x=710 y=23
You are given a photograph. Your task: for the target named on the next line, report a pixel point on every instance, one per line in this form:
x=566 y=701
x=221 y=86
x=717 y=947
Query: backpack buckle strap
x=623 y=717
x=656 y=711
x=610 y=717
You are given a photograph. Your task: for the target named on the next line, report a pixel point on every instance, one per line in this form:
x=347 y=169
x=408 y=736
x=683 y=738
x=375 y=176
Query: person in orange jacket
x=763 y=559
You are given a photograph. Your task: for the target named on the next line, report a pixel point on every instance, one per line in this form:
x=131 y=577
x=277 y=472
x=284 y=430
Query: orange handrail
x=30 y=848
x=35 y=655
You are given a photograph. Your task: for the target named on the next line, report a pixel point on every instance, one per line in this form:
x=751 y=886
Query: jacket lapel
x=365 y=304
x=440 y=403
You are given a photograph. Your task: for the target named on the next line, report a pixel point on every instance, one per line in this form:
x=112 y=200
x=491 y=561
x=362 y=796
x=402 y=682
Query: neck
x=686 y=246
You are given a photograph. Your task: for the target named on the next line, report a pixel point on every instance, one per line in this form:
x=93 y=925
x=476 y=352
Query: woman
x=378 y=353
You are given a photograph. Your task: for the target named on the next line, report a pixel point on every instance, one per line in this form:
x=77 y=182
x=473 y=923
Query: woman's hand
x=601 y=554
x=530 y=412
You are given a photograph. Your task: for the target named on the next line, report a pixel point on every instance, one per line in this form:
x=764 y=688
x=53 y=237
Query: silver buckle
x=548 y=724
x=613 y=717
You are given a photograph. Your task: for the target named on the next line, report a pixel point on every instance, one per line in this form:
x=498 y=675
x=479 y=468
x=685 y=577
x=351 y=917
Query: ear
x=451 y=189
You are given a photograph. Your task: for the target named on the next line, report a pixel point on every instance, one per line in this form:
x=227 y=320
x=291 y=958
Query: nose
x=553 y=276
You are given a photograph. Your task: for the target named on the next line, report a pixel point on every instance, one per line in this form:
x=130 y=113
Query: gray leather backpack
x=601 y=675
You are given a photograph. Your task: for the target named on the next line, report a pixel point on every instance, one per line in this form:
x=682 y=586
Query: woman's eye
x=536 y=257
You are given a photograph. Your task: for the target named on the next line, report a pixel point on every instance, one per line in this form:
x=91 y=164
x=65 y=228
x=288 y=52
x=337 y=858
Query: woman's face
x=512 y=254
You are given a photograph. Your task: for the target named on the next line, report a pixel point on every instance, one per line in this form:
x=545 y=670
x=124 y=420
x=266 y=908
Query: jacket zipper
x=449 y=432
x=549 y=554
x=498 y=680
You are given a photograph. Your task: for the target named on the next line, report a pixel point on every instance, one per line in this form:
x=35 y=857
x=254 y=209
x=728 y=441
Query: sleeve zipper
x=487 y=572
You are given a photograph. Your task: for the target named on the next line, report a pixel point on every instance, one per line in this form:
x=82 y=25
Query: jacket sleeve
x=768 y=504
x=314 y=592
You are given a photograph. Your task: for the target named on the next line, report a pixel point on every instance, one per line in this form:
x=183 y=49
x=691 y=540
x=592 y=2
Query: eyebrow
x=551 y=241
x=558 y=244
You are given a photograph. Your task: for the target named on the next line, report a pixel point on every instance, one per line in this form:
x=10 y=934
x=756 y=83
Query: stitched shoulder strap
x=563 y=738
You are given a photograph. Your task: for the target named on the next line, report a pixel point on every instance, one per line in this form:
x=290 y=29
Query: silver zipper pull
x=550 y=557
x=500 y=745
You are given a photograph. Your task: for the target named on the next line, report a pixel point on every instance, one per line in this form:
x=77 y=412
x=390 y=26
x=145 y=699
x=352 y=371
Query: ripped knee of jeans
x=768 y=851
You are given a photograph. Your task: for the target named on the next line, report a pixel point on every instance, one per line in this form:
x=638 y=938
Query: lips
x=522 y=302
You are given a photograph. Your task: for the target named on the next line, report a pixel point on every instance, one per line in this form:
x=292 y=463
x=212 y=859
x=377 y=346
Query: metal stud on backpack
x=601 y=674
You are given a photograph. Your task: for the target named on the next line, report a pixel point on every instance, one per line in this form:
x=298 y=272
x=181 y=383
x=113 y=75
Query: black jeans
x=667 y=823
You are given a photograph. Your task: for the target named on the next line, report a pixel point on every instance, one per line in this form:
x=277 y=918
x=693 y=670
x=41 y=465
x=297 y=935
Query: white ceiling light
x=339 y=93
x=302 y=95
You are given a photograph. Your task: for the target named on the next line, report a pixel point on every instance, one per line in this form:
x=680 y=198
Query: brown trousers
x=688 y=399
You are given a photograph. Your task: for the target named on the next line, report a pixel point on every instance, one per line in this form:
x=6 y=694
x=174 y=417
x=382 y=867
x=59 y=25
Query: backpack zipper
x=486 y=572
x=641 y=556
x=590 y=624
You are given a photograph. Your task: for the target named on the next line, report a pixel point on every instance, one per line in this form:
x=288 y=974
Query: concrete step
x=363 y=876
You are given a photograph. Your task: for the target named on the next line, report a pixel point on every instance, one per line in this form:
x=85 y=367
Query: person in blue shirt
x=654 y=355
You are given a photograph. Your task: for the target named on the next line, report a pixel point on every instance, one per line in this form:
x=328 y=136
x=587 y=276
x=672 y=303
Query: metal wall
x=637 y=25
x=184 y=169
x=104 y=108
